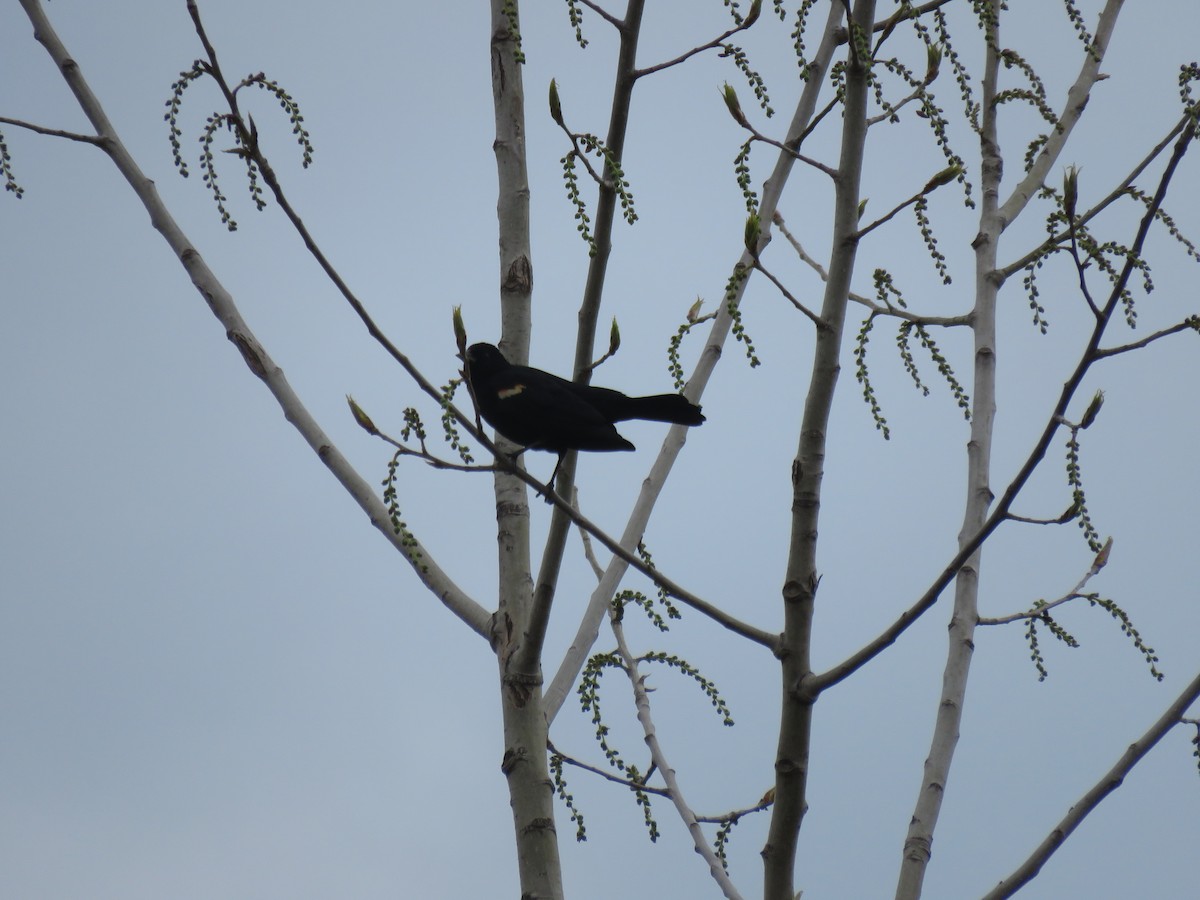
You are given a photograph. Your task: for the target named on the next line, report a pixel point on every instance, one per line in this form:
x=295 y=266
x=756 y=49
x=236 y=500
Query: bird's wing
x=543 y=411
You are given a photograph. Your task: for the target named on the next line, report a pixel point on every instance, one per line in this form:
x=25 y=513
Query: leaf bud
x=1093 y=410
x=947 y=175
x=555 y=104
x=753 y=14
x=1070 y=191
x=753 y=233
x=460 y=332
x=734 y=107
x=363 y=420
x=933 y=63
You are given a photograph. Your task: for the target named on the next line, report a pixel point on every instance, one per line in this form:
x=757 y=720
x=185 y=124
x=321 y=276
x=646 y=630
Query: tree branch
x=1077 y=98
x=658 y=758
x=604 y=14
x=1075 y=593
x=1007 y=271
x=1191 y=322
x=801 y=579
x=904 y=314
x=813 y=317
x=711 y=45
x=55 y=132
x=253 y=353
x=1109 y=782
x=589 y=626
x=607 y=775
x=519 y=631
x=589 y=311
x=827 y=679
x=902 y=15
x=250 y=143
x=641 y=700
x=892 y=110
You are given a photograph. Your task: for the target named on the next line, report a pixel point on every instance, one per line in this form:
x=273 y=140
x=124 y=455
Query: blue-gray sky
x=216 y=680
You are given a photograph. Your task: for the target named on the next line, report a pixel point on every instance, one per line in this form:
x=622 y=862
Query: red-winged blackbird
x=541 y=411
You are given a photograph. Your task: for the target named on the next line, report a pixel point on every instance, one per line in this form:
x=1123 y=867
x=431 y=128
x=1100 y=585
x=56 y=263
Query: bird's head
x=485 y=359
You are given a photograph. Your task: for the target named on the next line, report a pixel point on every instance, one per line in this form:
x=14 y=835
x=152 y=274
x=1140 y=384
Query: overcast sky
x=217 y=680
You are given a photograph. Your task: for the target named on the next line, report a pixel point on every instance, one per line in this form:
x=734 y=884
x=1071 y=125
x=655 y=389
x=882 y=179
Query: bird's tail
x=673 y=408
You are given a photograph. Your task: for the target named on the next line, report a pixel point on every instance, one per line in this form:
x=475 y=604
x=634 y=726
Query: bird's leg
x=553 y=475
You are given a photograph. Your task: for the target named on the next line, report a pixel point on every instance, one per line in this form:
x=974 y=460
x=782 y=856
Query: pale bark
x=515 y=638
x=994 y=218
x=658 y=757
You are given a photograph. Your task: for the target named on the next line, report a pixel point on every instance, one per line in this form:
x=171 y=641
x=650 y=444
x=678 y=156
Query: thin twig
x=1067 y=516
x=1192 y=322
x=612 y=20
x=892 y=110
x=816 y=319
x=435 y=461
x=791 y=150
x=711 y=45
x=736 y=814
x=1076 y=593
x=1080 y=268
x=55 y=132
x=867 y=229
x=607 y=775
x=1035 y=613
x=903 y=15
x=906 y=315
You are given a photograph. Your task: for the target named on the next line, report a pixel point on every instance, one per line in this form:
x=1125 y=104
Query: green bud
x=363 y=420
x=753 y=233
x=734 y=107
x=555 y=105
x=862 y=207
x=933 y=63
x=947 y=175
x=753 y=14
x=614 y=338
x=693 y=312
x=1070 y=191
x=1093 y=410
x=460 y=332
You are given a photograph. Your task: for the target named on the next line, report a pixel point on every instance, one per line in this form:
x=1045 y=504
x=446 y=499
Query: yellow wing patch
x=505 y=393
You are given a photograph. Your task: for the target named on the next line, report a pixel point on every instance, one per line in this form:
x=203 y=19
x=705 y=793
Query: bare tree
x=869 y=77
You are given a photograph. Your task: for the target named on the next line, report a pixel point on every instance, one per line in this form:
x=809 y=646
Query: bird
x=541 y=411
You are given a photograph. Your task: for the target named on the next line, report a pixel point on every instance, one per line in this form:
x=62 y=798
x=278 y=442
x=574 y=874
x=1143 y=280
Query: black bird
x=541 y=411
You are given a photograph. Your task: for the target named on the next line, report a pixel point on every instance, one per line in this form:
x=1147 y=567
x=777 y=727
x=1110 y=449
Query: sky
x=217 y=680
